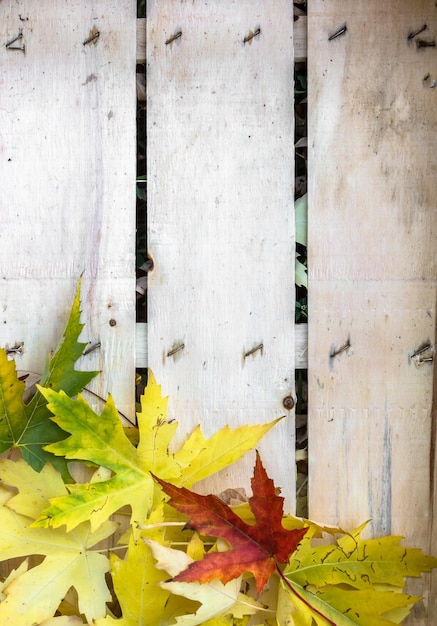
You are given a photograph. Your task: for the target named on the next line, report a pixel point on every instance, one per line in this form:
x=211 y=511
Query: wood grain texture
x=300 y=346
x=141 y=40
x=372 y=271
x=67 y=166
x=299 y=36
x=221 y=220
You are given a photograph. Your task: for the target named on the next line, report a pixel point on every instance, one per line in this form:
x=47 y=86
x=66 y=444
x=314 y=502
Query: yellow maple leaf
x=33 y=595
x=101 y=440
x=143 y=602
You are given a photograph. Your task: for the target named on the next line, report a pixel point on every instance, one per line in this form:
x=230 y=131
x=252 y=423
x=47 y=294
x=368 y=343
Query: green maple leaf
x=354 y=581
x=101 y=439
x=68 y=558
x=27 y=426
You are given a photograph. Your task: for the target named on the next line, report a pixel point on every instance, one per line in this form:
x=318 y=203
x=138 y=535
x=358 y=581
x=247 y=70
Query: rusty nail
x=92 y=348
x=173 y=37
x=420 y=350
x=93 y=37
x=112 y=322
x=253 y=350
x=175 y=350
x=416 y=32
x=288 y=403
x=251 y=35
x=19 y=36
x=426 y=359
x=425 y=43
x=17 y=349
x=335 y=353
x=338 y=33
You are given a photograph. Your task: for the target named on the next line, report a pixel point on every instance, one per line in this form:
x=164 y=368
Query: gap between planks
x=299 y=34
x=300 y=346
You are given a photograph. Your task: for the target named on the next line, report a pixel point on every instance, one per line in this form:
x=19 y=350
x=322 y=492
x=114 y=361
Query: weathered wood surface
x=221 y=220
x=67 y=171
x=372 y=276
x=299 y=36
x=300 y=346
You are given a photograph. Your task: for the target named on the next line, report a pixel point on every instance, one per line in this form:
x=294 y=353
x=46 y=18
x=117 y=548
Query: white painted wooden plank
x=221 y=220
x=299 y=35
x=141 y=39
x=372 y=275
x=67 y=169
x=300 y=346
x=141 y=349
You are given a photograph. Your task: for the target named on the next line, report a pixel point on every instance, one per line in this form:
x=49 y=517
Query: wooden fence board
x=300 y=346
x=67 y=166
x=221 y=220
x=372 y=271
x=299 y=36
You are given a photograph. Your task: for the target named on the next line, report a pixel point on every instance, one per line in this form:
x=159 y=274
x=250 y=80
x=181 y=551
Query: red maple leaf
x=257 y=548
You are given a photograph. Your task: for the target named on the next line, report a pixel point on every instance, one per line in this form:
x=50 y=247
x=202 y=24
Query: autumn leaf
x=15 y=573
x=354 y=581
x=357 y=562
x=135 y=579
x=27 y=426
x=257 y=548
x=215 y=597
x=101 y=439
x=63 y=620
x=340 y=607
x=69 y=560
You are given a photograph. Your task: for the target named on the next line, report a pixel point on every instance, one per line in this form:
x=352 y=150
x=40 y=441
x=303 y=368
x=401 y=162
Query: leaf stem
x=112 y=549
x=96 y=395
x=301 y=598
x=159 y=525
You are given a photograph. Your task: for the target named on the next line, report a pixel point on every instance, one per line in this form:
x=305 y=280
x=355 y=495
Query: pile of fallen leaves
x=183 y=558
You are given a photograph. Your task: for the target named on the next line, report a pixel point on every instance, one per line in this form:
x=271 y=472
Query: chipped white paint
x=221 y=219
x=67 y=171
x=372 y=282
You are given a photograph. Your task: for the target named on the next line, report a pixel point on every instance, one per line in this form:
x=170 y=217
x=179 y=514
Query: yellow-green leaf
x=15 y=573
x=63 y=620
x=101 y=439
x=202 y=457
x=353 y=581
x=344 y=608
x=136 y=581
x=357 y=562
x=28 y=426
x=11 y=403
x=34 y=489
x=68 y=561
